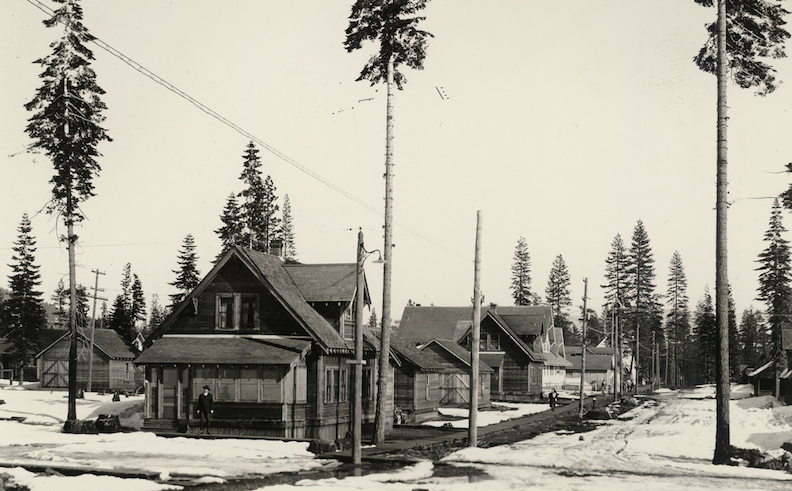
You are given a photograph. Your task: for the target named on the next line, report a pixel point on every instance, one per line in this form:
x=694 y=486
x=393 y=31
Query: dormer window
x=235 y=311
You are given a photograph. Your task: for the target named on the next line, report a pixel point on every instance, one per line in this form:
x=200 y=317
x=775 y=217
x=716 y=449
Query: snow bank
x=486 y=418
x=85 y=482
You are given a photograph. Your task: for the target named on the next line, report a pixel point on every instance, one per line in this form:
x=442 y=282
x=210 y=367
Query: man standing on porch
x=205 y=402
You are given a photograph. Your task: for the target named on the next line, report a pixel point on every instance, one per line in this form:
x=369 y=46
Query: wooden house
x=435 y=375
x=113 y=361
x=599 y=368
x=763 y=377
x=273 y=342
x=520 y=344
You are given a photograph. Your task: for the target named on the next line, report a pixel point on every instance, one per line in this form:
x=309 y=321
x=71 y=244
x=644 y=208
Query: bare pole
x=357 y=414
x=382 y=380
x=96 y=290
x=722 y=390
x=475 y=338
x=583 y=350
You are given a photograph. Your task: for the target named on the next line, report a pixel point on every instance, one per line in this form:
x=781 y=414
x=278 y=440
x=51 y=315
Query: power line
x=161 y=81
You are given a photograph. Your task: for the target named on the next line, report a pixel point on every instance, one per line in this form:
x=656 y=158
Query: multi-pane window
x=368 y=393
x=336 y=384
x=489 y=342
x=235 y=311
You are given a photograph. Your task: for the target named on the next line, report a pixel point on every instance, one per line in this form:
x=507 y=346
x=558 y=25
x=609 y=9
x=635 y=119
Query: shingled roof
x=271 y=271
x=459 y=352
x=326 y=282
x=213 y=349
x=107 y=341
x=422 y=324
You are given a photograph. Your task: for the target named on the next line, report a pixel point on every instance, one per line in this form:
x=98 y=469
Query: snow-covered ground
x=486 y=418
x=39 y=441
x=657 y=446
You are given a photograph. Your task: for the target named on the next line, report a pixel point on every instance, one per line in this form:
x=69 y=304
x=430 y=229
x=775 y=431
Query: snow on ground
x=657 y=446
x=86 y=482
x=486 y=418
x=39 y=441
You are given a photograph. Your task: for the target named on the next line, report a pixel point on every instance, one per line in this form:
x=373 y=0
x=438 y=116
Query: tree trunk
x=722 y=436
x=382 y=381
x=72 y=404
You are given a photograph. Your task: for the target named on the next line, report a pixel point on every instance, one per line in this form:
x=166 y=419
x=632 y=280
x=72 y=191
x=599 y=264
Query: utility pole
x=475 y=338
x=96 y=290
x=357 y=413
x=382 y=380
x=583 y=350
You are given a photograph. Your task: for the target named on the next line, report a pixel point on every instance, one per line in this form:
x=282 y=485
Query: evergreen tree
x=394 y=23
x=287 y=231
x=23 y=315
x=138 y=301
x=187 y=276
x=558 y=296
x=259 y=209
x=677 y=324
x=521 y=274
x=755 y=32
x=65 y=126
x=373 y=322
x=705 y=334
x=61 y=299
x=775 y=285
x=122 y=320
x=734 y=339
x=645 y=314
x=158 y=315
x=753 y=336
x=233 y=229
x=615 y=280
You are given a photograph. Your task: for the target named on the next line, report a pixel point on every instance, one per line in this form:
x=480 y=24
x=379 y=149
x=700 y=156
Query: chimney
x=276 y=247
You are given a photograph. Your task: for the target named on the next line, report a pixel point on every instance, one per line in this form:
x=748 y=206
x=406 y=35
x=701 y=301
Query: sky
x=563 y=122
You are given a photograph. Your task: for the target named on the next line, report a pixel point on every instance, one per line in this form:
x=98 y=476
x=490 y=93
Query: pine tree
x=521 y=274
x=645 y=313
x=124 y=314
x=233 y=229
x=23 y=315
x=394 y=24
x=734 y=339
x=65 y=126
x=753 y=334
x=615 y=280
x=138 y=301
x=287 y=231
x=373 y=323
x=158 y=314
x=259 y=209
x=270 y=230
x=775 y=285
x=187 y=276
x=755 y=32
x=61 y=298
x=705 y=334
x=558 y=296
x=678 y=318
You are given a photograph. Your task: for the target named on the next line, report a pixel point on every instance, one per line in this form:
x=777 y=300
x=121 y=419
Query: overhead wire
x=277 y=153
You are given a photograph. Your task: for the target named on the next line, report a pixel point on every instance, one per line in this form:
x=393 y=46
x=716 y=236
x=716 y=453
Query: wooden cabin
x=433 y=376
x=599 y=368
x=273 y=342
x=520 y=344
x=113 y=361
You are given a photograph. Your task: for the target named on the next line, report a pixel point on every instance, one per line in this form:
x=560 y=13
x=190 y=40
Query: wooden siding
x=107 y=374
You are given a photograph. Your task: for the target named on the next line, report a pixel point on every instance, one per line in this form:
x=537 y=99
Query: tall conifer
x=187 y=276
x=233 y=229
x=558 y=296
x=521 y=274
x=23 y=315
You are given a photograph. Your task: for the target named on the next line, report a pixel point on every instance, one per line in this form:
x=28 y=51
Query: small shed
x=599 y=368
x=113 y=362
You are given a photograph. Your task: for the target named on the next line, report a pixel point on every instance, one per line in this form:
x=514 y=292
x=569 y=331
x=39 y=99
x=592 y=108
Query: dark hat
x=206 y=387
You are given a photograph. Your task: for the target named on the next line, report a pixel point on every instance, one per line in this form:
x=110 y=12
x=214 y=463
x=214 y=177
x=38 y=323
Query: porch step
x=160 y=425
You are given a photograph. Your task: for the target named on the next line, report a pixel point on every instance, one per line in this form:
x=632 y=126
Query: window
x=368 y=393
x=336 y=384
x=494 y=341
x=248 y=384
x=428 y=387
x=235 y=311
x=226 y=384
x=270 y=384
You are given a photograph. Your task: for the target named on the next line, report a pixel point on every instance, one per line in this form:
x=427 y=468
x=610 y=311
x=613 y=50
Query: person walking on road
x=553 y=397
x=205 y=410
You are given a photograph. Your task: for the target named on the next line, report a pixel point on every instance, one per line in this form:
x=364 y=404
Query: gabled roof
x=219 y=350
x=506 y=328
x=422 y=324
x=107 y=341
x=327 y=282
x=407 y=352
x=596 y=359
x=459 y=352
x=273 y=275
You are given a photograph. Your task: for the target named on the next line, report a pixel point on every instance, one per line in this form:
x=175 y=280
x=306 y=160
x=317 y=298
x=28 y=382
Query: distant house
x=520 y=344
x=273 y=342
x=113 y=361
x=762 y=376
x=435 y=375
x=599 y=368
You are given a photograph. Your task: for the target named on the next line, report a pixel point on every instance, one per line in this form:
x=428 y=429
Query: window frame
x=235 y=305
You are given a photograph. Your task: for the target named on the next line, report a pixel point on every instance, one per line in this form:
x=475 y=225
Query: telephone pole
x=583 y=349
x=475 y=337
x=96 y=290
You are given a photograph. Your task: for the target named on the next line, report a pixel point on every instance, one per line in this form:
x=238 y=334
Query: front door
x=170 y=386
x=55 y=373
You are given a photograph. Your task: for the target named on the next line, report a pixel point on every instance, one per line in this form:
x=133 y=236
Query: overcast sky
x=564 y=122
